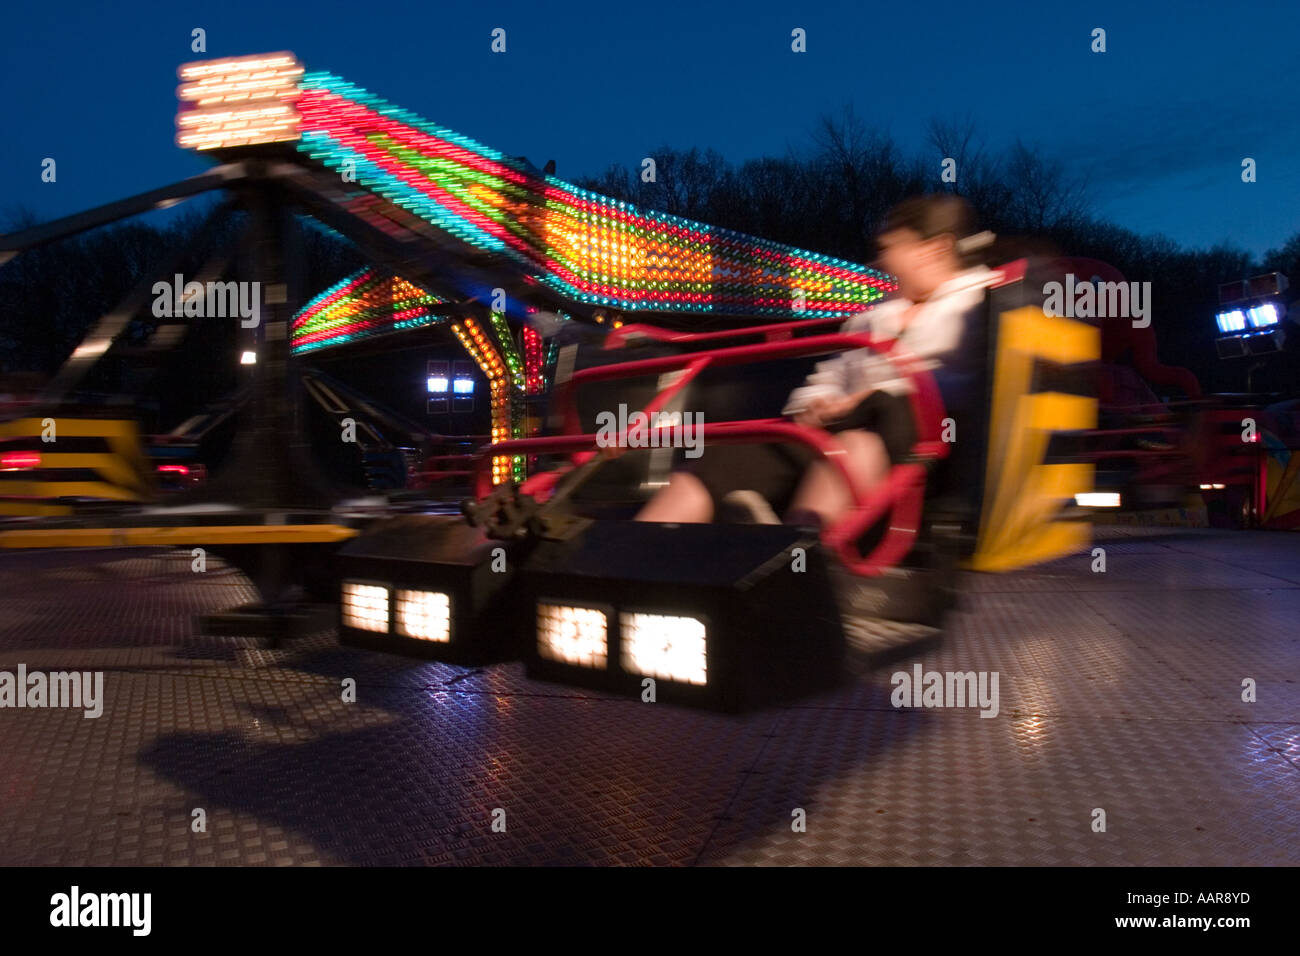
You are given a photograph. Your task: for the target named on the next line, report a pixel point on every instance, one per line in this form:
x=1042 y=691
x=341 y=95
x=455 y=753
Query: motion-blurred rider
x=928 y=243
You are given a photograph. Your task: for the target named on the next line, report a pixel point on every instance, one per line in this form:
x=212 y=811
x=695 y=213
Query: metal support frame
x=111 y=325
x=219 y=178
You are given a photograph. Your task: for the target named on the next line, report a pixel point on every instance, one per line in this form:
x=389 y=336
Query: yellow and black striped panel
x=1023 y=494
x=45 y=459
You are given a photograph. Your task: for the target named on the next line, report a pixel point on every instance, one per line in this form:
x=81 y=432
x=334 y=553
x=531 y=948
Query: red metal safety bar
x=777 y=332
x=924 y=397
x=903 y=491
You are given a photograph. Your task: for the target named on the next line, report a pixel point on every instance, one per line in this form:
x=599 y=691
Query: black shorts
x=774 y=470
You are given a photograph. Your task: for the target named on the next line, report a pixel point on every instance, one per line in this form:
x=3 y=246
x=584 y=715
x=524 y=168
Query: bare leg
x=823 y=490
x=685 y=500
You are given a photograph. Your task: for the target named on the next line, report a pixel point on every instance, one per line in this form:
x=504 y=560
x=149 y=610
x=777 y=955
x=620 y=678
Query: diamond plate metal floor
x=1119 y=691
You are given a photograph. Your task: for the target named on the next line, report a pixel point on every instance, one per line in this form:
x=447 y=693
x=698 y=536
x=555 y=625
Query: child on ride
x=927 y=244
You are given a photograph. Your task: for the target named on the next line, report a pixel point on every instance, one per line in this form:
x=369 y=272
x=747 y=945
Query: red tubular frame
x=903 y=491
x=546 y=480
x=777 y=332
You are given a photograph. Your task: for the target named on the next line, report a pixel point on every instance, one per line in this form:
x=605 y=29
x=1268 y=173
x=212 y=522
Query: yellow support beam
x=28 y=508
x=191 y=535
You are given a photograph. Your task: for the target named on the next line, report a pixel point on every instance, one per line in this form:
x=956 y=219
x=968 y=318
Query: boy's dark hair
x=937 y=214
x=931 y=216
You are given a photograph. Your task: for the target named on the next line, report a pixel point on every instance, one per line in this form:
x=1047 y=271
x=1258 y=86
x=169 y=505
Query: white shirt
x=934 y=329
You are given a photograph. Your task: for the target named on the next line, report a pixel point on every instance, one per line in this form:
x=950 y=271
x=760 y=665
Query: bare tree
x=1041 y=194
x=615 y=181
x=978 y=172
x=684 y=181
x=1285 y=260
x=865 y=174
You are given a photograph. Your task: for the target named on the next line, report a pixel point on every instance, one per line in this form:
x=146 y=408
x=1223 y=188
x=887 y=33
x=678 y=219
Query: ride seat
x=730 y=393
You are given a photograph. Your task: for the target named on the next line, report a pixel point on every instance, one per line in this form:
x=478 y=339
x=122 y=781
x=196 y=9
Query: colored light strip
x=534 y=383
x=505 y=420
x=507 y=348
x=591 y=248
x=363 y=305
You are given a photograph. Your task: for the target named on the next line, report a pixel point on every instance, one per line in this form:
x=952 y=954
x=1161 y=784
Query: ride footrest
x=870 y=642
x=913 y=594
x=888 y=616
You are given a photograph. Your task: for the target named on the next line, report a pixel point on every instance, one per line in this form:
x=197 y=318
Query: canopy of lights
x=594 y=250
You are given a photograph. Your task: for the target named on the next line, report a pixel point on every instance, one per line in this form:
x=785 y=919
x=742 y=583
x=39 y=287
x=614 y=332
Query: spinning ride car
x=723 y=614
